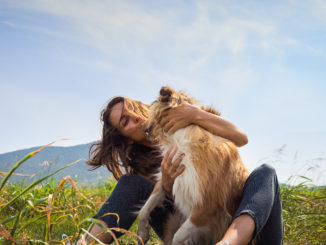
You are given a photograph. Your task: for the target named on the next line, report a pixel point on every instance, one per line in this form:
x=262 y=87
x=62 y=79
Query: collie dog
x=208 y=192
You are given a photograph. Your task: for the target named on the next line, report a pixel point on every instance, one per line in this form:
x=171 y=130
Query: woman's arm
x=240 y=231
x=186 y=114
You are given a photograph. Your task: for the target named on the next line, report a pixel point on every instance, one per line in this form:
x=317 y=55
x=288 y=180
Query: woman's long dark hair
x=115 y=151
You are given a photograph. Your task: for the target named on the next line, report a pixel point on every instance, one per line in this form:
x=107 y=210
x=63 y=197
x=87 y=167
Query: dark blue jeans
x=261 y=200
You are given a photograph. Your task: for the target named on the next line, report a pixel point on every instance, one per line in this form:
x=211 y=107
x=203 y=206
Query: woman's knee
x=267 y=170
x=132 y=180
x=127 y=179
x=135 y=185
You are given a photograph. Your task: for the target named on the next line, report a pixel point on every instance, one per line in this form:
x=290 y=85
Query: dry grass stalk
x=6 y=234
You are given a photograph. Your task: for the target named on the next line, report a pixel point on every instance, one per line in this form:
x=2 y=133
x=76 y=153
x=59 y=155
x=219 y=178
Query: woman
x=133 y=160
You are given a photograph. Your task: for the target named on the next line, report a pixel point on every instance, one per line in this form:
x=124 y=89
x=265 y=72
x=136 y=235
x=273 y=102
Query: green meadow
x=44 y=210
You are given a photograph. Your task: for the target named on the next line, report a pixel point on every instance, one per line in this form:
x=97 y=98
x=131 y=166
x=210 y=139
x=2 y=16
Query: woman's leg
x=129 y=195
x=260 y=212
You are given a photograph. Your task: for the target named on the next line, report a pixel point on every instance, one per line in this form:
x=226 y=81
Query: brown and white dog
x=208 y=192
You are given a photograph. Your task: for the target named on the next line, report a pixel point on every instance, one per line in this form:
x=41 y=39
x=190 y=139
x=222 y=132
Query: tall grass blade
x=32 y=241
x=25 y=158
x=17 y=174
x=6 y=234
x=73 y=184
x=118 y=218
x=34 y=184
x=48 y=215
x=13 y=169
x=121 y=230
x=95 y=221
x=30 y=222
x=26 y=210
x=92 y=236
x=12 y=233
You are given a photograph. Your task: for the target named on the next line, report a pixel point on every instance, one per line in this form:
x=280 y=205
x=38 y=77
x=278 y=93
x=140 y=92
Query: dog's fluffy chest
x=186 y=190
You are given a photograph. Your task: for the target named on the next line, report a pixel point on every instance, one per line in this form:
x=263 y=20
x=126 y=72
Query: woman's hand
x=171 y=170
x=178 y=117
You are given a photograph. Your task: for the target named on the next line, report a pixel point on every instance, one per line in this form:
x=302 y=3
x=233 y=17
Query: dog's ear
x=165 y=94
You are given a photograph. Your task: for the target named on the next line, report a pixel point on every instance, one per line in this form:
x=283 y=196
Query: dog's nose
x=148 y=137
x=147 y=130
x=143 y=128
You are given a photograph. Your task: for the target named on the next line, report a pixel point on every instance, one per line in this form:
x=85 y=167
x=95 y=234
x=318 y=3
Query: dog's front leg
x=190 y=234
x=157 y=197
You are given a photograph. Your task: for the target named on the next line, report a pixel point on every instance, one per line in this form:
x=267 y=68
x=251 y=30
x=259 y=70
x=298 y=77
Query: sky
x=262 y=64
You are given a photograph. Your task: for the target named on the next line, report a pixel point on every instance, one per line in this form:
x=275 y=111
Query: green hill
x=50 y=159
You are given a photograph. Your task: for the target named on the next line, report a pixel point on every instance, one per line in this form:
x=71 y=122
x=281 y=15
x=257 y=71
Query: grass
x=304 y=213
x=27 y=219
x=41 y=212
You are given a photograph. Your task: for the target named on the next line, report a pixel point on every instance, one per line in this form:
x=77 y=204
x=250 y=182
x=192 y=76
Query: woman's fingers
x=171 y=155
x=178 y=172
x=168 y=116
x=174 y=128
x=167 y=155
x=176 y=169
x=172 y=168
x=164 y=120
x=168 y=126
x=177 y=162
x=177 y=118
x=166 y=112
x=167 y=159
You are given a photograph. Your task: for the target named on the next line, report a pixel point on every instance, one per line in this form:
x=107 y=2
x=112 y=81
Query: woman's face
x=128 y=124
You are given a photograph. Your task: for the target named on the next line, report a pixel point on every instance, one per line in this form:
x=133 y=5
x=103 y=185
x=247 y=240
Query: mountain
x=51 y=159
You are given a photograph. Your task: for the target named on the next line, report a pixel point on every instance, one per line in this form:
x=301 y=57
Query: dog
x=208 y=192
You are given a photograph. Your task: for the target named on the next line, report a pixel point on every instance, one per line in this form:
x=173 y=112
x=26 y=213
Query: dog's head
x=167 y=99
x=170 y=98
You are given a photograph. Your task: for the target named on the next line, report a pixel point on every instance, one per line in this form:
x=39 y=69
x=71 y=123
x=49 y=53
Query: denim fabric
x=261 y=200
x=127 y=198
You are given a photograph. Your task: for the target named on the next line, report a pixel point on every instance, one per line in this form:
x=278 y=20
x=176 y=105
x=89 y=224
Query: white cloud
x=316 y=9
x=127 y=29
x=127 y=24
x=183 y=47
x=39 y=29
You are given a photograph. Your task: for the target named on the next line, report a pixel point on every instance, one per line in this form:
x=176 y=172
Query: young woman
x=133 y=159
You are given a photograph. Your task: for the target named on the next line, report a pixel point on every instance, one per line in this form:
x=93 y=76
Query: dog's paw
x=143 y=230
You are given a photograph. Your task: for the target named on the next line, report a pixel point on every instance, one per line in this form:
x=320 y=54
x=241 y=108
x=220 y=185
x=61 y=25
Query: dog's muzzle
x=148 y=131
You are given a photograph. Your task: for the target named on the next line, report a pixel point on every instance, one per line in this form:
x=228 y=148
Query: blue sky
x=261 y=63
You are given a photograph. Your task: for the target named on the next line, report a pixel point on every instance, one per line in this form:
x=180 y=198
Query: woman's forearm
x=186 y=114
x=220 y=126
x=240 y=231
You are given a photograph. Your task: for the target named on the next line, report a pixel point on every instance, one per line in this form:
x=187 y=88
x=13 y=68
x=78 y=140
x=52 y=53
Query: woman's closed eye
x=125 y=121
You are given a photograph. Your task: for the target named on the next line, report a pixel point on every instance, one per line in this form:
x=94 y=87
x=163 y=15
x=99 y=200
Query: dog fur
x=208 y=192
